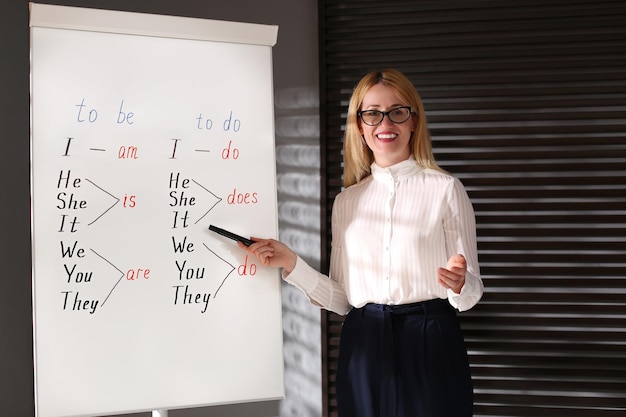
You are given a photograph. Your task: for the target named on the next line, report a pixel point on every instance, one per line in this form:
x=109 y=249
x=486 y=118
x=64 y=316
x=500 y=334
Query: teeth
x=386 y=135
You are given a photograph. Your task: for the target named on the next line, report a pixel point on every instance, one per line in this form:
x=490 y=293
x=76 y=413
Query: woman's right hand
x=271 y=252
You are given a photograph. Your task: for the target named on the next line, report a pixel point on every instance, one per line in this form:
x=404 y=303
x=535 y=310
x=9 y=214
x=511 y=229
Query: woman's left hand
x=453 y=275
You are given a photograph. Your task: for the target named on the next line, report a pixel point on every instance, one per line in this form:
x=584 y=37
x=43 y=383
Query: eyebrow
x=378 y=106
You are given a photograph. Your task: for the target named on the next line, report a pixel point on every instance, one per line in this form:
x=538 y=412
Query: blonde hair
x=357 y=157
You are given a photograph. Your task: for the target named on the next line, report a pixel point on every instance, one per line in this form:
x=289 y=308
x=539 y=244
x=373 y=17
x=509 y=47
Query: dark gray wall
x=296 y=87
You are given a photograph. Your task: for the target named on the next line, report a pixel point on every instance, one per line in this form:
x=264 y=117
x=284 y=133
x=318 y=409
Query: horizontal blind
x=526 y=103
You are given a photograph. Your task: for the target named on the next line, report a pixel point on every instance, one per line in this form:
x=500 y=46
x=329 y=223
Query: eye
x=371 y=116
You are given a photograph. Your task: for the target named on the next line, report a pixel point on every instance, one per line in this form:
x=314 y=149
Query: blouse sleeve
x=323 y=291
x=460 y=231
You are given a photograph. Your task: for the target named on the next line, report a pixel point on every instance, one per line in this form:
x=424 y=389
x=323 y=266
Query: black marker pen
x=230 y=235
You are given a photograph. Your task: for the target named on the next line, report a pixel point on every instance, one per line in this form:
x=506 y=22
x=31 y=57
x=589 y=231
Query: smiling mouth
x=386 y=136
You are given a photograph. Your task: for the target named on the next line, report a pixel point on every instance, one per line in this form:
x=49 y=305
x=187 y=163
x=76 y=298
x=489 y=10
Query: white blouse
x=390 y=233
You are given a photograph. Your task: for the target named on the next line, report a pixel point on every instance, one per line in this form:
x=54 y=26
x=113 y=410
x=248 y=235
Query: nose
x=386 y=121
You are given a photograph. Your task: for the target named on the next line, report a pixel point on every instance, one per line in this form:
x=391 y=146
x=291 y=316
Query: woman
x=403 y=259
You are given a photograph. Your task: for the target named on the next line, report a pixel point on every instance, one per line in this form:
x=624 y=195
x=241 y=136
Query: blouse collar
x=401 y=170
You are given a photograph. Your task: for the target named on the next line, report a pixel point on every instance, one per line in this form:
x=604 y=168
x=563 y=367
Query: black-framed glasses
x=375 y=117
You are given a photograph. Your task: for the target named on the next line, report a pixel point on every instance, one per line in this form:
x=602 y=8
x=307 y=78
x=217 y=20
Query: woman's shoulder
x=439 y=175
x=353 y=190
x=443 y=181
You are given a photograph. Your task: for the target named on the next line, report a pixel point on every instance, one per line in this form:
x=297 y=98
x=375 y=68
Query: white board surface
x=145 y=130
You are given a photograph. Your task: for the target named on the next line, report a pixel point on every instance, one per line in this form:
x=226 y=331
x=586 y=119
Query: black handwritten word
x=189 y=273
x=180 y=247
x=73 y=224
x=183 y=295
x=70 y=251
x=183 y=218
x=174 y=150
x=79 y=277
x=70 y=202
x=78 y=304
x=75 y=182
x=180 y=199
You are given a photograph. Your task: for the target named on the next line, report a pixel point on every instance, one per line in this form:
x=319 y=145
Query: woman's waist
x=426 y=307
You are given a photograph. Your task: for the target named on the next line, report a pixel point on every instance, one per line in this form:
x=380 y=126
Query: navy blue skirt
x=403 y=361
